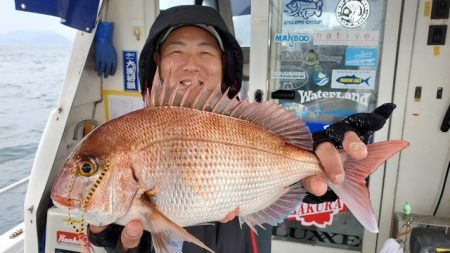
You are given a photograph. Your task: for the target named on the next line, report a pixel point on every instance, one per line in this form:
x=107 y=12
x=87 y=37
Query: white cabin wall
x=380 y=188
x=401 y=77
x=424 y=163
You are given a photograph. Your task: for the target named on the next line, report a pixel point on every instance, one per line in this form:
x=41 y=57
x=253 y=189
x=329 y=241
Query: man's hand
x=130 y=236
x=331 y=162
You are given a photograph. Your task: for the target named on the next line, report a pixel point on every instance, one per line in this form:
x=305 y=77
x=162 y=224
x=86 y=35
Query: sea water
x=30 y=82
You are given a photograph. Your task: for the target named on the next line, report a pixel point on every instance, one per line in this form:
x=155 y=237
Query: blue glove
x=105 y=53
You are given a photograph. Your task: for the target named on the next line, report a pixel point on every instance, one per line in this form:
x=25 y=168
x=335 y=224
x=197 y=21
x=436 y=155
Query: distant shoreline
x=31 y=45
x=34 y=39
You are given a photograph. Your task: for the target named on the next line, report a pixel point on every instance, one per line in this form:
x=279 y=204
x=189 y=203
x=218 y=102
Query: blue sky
x=13 y=20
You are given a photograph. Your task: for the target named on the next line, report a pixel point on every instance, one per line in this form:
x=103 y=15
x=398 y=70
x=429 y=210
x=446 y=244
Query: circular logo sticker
x=352 y=13
x=321 y=78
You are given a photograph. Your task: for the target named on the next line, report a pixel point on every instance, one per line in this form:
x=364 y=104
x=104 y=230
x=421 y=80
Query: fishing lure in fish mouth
x=193 y=156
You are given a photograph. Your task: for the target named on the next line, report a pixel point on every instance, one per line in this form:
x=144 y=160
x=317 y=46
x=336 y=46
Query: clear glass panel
x=241 y=21
x=324 y=61
x=325 y=56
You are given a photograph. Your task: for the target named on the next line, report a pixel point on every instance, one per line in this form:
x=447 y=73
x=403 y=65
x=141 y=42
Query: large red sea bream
x=193 y=157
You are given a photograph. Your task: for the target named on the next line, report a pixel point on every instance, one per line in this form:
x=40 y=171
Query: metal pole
x=13 y=185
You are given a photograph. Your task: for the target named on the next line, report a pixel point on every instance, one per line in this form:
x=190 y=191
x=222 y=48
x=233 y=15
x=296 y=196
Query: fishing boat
x=324 y=60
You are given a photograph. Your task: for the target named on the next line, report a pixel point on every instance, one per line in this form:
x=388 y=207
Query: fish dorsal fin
x=200 y=97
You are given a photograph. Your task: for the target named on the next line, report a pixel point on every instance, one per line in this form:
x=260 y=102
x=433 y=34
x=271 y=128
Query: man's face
x=192 y=53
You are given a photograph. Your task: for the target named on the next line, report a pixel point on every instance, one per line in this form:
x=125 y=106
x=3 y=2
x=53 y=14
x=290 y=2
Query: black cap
x=192 y=15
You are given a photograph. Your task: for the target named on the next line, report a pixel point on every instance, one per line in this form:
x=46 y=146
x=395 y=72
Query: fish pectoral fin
x=231 y=215
x=278 y=211
x=167 y=236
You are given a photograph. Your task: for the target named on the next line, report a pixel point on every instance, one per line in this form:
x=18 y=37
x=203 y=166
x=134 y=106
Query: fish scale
x=221 y=163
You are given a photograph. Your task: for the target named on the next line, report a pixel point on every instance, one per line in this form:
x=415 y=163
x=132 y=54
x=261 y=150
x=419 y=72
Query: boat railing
x=14 y=185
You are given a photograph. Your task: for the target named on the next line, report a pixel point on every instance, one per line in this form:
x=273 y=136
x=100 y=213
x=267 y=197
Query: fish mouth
x=64 y=202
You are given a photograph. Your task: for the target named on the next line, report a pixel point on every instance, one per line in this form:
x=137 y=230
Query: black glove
x=363 y=124
x=110 y=240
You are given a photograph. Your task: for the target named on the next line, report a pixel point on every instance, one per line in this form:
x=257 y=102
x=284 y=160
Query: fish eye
x=87 y=168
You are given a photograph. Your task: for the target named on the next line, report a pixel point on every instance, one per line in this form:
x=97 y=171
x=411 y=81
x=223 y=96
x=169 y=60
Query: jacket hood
x=192 y=15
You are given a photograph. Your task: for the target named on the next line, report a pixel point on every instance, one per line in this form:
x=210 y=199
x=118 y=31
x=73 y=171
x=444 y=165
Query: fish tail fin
x=367 y=80
x=353 y=191
x=167 y=236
